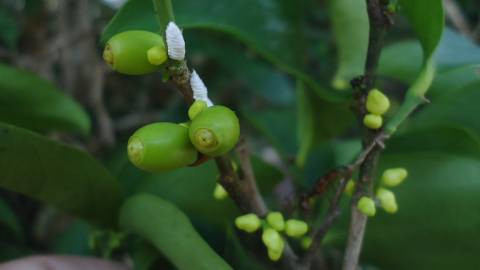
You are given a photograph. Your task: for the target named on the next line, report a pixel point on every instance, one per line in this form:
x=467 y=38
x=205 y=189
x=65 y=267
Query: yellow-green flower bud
x=377 y=102
x=387 y=200
x=366 y=206
x=350 y=187
x=275 y=255
x=373 y=121
x=394 y=177
x=276 y=221
x=197 y=107
x=157 y=55
x=273 y=240
x=295 y=228
x=219 y=192
x=306 y=242
x=248 y=222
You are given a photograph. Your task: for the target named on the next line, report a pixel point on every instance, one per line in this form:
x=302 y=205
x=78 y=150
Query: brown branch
x=343 y=173
x=379 y=22
x=243 y=191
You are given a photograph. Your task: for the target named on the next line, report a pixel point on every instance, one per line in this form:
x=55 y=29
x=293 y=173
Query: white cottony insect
x=175 y=42
x=199 y=89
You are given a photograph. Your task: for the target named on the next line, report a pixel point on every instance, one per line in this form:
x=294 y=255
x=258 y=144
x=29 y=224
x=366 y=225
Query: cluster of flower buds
x=273 y=225
x=377 y=105
x=384 y=197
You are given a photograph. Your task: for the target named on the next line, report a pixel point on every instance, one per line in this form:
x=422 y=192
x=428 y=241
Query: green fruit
x=135 y=52
x=366 y=206
x=214 y=131
x=295 y=228
x=161 y=146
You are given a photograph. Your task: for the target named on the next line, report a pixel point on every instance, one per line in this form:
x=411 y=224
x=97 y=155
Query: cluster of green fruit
x=384 y=197
x=156 y=147
x=273 y=224
x=211 y=131
x=377 y=105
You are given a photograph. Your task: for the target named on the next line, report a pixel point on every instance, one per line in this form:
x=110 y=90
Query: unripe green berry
x=276 y=221
x=248 y=222
x=373 y=121
x=306 y=242
x=350 y=187
x=394 y=177
x=273 y=240
x=157 y=55
x=197 y=107
x=377 y=102
x=219 y=192
x=366 y=206
x=130 y=52
x=295 y=228
x=214 y=131
x=274 y=255
x=387 y=200
x=161 y=146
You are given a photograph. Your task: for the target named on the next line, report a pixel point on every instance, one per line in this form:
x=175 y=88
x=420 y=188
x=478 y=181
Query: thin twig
x=456 y=16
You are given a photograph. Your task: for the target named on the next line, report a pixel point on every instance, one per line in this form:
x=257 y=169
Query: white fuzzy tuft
x=175 y=42
x=200 y=91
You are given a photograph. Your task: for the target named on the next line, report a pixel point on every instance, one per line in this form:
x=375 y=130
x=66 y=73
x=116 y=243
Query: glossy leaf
x=31 y=102
x=350 y=28
x=305 y=124
x=57 y=174
x=437 y=203
x=272 y=29
x=429 y=31
x=170 y=231
x=459 y=108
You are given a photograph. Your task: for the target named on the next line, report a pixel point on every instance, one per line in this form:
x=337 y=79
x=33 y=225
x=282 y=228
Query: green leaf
x=250 y=72
x=427 y=28
x=429 y=31
x=459 y=108
x=437 y=204
x=9 y=220
x=31 y=102
x=273 y=29
x=57 y=174
x=350 y=27
x=178 y=186
x=170 y=231
x=305 y=126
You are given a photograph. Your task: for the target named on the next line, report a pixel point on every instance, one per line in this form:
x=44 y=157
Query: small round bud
x=366 y=206
x=276 y=221
x=197 y=107
x=394 y=177
x=274 y=255
x=350 y=187
x=340 y=84
x=219 y=192
x=377 y=102
x=295 y=228
x=157 y=55
x=248 y=222
x=273 y=240
x=373 y=121
x=387 y=200
x=306 y=242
